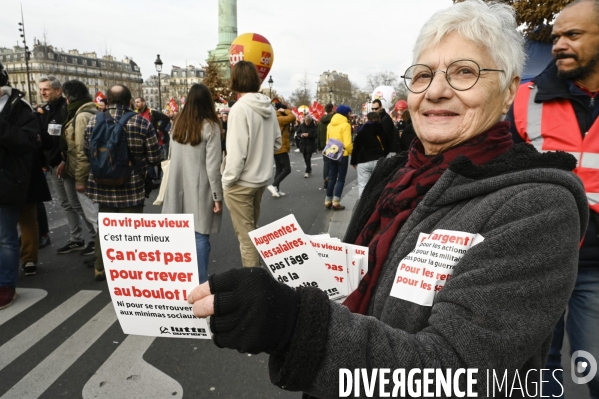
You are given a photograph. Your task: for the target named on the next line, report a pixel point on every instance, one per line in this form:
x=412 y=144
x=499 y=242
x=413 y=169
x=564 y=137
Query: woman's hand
x=218 y=207
x=250 y=310
x=202 y=300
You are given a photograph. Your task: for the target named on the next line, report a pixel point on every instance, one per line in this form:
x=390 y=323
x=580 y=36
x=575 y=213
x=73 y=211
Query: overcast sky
x=355 y=37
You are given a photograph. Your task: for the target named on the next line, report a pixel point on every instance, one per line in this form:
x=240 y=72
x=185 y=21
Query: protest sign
x=290 y=258
x=151 y=266
x=333 y=255
x=357 y=260
x=426 y=269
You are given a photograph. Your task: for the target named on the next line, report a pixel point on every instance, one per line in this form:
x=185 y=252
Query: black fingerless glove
x=253 y=312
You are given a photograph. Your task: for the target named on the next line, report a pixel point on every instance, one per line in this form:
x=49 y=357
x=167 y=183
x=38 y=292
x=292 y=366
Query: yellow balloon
x=254 y=48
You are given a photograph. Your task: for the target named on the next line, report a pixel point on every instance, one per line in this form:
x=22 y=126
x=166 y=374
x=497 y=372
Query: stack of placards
x=297 y=259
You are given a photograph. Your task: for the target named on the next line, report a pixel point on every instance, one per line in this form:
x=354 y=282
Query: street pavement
x=61 y=337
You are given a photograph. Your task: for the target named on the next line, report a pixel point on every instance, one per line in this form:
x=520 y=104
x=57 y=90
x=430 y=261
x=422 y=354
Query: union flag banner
x=99 y=96
x=317 y=110
x=172 y=104
x=296 y=112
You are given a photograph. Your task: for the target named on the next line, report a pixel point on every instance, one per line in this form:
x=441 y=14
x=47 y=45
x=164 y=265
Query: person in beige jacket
x=252 y=135
x=80 y=109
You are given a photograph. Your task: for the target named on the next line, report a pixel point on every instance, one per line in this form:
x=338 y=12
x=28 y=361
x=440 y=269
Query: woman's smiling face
x=444 y=117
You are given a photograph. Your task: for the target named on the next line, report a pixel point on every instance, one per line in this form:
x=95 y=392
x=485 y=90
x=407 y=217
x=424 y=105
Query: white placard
x=424 y=272
x=333 y=256
x=151 y=265
x=290 y=258
x=54 y=129
x=358 y=260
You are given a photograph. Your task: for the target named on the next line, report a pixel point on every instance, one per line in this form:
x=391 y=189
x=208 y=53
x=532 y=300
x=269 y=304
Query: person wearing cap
x=282 y=164
x=338 y=129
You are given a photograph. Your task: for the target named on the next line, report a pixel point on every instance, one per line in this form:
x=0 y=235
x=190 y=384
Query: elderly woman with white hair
x=473 y=244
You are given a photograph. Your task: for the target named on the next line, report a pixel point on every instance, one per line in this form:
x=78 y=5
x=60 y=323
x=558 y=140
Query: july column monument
x=227 y=32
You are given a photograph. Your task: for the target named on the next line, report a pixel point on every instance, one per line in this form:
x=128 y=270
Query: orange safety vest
x=552 y=126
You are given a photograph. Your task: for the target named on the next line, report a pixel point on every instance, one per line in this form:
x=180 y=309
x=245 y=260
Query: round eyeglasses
x=461 y=75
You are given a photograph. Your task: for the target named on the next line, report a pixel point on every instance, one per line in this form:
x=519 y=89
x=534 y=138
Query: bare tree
x=302 y=95
x=384 y=78
x=401 y=91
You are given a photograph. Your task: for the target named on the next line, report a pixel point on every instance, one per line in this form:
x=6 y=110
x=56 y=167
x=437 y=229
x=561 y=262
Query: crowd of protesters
x=526 y=200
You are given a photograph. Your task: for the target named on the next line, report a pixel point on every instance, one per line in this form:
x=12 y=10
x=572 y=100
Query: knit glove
x=253 y=312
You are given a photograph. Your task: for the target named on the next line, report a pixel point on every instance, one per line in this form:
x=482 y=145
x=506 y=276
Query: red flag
x=99 y=96
x=317 y=110
x=296 y=112
x=172 y=104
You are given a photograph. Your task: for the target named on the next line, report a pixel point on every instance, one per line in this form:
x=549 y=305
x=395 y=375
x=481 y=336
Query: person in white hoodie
x=252 y=135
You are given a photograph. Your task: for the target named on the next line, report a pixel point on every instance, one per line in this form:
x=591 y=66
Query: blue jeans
x=337 y=173
x=203 y=251
x=9 y=246
x=582 y=326
x=325 y=167
x=365 y=170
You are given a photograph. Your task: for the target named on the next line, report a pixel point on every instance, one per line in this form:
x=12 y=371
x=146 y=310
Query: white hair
x=491 y=26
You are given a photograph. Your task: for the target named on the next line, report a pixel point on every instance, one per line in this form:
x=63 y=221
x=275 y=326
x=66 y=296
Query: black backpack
x=110 y=161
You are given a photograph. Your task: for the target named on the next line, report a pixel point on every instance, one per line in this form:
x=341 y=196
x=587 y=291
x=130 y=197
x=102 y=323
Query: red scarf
x=405 y=191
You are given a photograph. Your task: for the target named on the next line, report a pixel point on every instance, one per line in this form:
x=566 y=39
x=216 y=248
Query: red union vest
x=552 y=126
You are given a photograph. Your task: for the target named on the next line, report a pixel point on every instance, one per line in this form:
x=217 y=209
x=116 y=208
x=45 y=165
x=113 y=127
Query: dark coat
x=54 y=112
x=493 y=313
x=322 y=130
x=369 y=144
x=407 y=134
x=19 y=135
x=390 y=131
x=307 y=143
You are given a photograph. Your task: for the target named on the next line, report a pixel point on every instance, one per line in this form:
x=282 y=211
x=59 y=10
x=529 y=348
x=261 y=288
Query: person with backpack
x=322 y=140
x=80 y=109
x=134 y=146
x=339 y=129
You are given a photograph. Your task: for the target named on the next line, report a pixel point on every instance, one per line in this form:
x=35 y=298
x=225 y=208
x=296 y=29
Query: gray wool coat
x=194 y=181
x=498 y=310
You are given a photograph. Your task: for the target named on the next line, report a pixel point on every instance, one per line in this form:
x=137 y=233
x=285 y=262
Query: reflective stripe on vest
x=552 y=126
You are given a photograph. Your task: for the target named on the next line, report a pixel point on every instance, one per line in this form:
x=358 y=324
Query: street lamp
x=331 y=95
x=270 y=83
x=158 y=64
x=27 y=53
